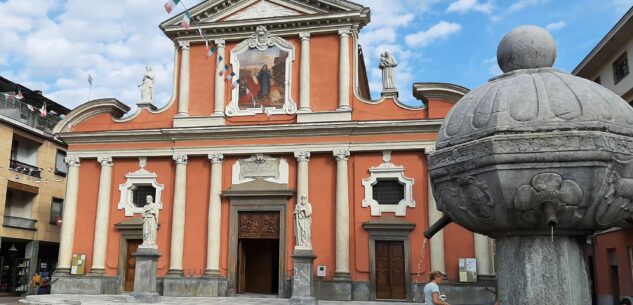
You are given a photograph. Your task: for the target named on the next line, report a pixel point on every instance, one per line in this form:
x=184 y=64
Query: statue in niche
x=150 y=222
x=388 y=64
x=303 y=223
x=147 y=86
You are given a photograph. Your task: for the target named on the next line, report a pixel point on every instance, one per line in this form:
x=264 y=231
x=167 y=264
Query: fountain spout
x=437 y=226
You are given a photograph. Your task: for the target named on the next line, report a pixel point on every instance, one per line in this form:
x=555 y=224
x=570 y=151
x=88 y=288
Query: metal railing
x=24 y=168
x=19 y=222
x=13 y=108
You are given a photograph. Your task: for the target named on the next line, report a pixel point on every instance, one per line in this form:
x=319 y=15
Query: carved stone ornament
x=262 y=40
x=72 y=161
x=388 y=170
x=468 y=197
x=616 y=204
x=139 y=177
x=260 y=167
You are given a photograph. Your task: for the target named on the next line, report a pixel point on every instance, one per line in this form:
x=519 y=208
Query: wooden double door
x=130 y=263
x=258 y=252
x=390 y=270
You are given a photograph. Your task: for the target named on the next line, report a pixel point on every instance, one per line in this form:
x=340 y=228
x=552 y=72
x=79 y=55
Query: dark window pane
x=388 y=191
x=57 y=207
x=620 y=68
x=140 y=193
x=61 y=168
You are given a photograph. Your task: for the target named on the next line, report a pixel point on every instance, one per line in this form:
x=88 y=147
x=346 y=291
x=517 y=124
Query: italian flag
x=186 y=19
x=169 y=6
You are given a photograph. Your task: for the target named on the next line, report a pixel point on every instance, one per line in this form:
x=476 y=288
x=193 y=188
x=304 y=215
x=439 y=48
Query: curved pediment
x=91 y=109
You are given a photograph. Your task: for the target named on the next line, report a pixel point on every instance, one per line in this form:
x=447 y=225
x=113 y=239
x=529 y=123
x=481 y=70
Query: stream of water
x=421 y=257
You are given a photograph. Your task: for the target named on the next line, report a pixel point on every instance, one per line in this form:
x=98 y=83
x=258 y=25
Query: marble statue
x=303 y=223
x=388 y=64
x=147 y=85
x=150 y=222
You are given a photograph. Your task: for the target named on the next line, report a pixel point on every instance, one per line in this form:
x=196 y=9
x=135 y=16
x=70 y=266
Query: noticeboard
x=468 y=270
x=78 y=264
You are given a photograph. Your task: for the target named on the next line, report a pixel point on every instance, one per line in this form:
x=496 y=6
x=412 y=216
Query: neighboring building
x=611 y=255
x=227 y=163
x=32 y=184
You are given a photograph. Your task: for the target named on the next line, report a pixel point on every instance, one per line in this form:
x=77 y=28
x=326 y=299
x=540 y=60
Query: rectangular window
x=140 y=193
x=620 y=68
x=57 y=207
x=388 y=191
x=61 y=168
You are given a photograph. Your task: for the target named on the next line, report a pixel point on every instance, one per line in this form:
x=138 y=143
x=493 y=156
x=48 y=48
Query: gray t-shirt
x=428 y=293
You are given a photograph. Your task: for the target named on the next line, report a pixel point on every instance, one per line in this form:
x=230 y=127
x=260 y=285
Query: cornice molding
x=90 y=109
x=446 y=91
x=270 y=131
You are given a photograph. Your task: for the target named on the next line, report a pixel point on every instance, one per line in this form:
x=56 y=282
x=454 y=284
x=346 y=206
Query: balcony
x=18 y=111
x=19 y=222
x=24 y=168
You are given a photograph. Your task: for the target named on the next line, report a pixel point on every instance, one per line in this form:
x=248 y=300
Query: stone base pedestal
x=302 y=285
x=145 y=276
x=533 y=270
x=206 y=286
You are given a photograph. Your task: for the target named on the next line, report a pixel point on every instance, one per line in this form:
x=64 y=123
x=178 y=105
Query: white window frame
x=388 y=170
x=139 y=177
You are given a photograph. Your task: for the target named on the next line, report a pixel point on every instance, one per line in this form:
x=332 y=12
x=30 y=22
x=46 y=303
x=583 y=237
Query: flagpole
x=89 y=91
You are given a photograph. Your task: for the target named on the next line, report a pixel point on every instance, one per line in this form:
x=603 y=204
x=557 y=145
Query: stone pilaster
x=437 y=241
x=103 y=212
x=215 y=216
x=183 y=90
x=304 y=76
x=303 y=157
x=68 y=217
x=178 y=216
x=344 y=71
x=218 y=108
x=484 y=255
x=342 y=215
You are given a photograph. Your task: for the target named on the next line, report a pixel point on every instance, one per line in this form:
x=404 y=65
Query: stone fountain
x=537 y=159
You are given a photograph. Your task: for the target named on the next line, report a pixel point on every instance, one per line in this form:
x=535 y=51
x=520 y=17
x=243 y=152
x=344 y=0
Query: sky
x=52 y=45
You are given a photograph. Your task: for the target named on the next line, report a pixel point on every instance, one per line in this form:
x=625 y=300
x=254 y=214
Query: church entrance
x=258 y=252
x=130 y=263
x=390 y=270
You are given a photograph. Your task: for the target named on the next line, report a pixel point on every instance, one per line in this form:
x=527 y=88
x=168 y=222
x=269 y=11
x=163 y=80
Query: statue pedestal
x=533 y=270
x=302 y=279
x=145 y=276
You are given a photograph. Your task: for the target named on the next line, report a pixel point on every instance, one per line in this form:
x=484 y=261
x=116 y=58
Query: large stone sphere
x=535 y=148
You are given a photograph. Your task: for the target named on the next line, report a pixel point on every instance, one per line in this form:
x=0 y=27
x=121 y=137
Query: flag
x=169 y=6
x=226 y=68
x=90 y=79
x=220 y=58
x=52 y=112
x=230 y=76
x=19 y=96
x=211 y=51
x=202 y=35
x=43 y=110
x=186 y=19
x=30 y=107
x=236 y=83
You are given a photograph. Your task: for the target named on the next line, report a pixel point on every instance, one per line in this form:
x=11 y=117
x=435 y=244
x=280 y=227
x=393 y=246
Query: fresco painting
x=262 y=77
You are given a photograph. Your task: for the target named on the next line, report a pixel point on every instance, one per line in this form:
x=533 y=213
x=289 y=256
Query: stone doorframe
x=389 y=229
x=129 y=229
x=257 y=197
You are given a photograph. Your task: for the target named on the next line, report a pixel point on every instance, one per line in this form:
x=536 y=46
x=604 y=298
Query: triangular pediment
x=232 y=11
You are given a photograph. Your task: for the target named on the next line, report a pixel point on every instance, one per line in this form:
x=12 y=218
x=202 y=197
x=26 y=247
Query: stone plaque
x=260 y=167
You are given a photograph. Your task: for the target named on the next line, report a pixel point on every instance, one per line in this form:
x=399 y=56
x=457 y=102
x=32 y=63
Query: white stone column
x=437 y=241
x=302 y=173
x=178 y=216
x=218 y=109
x=69 y=216
x=215 y=216
x=183 y=91
x=304 y=76
x=342 y=215
x=103 y=212
x=344 y=70
x=483 y=254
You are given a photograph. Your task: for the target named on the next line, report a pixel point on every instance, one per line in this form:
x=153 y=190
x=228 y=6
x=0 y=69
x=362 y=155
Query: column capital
x=180 y=158
x=216 y=158
x=341 y=154
x=105 y=160
x=302 y=156
x=220 y=43
x=304 y=36
x=72 y=161
x=184 y=45
x=344 y=32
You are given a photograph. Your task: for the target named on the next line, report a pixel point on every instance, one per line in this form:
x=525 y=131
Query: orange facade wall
x=196 y=215
x=322 y=196
x=86 y=209
x=202 y=73
x=620 y=241
x=386 y=110
x=458 y=243
x=324 y=65
x=438 y=109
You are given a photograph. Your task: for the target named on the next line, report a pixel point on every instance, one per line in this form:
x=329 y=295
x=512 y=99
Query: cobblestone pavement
x=120 y=299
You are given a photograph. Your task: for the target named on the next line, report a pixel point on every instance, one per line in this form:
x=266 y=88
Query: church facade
x=270 y=104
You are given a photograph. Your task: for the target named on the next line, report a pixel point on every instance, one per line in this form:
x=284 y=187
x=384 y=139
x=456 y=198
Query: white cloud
x=521 y=4
x=440 y=30
x=463 y=6
x=554 y=26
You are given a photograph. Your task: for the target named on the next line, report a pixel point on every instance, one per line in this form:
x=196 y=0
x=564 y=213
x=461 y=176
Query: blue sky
x=52 y=45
